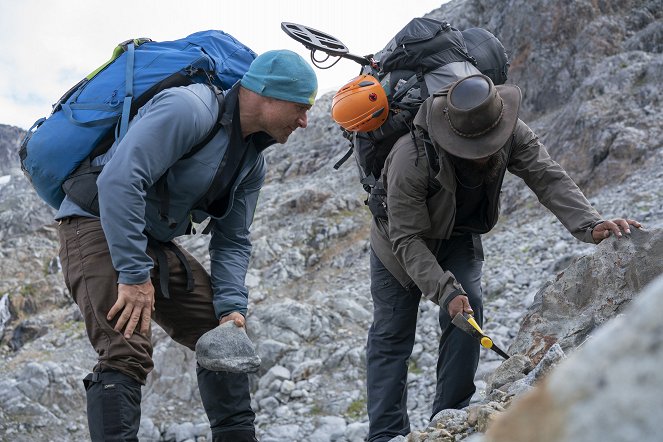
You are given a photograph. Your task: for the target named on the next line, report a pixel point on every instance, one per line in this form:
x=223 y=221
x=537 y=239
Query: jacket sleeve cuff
x=444 y=302
x=134 y=277
x=224 y=308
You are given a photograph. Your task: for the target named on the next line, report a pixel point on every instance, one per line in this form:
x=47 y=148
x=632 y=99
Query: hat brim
x=476 y=147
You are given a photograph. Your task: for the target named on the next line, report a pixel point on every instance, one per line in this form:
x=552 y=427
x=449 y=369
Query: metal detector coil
x=315 y=40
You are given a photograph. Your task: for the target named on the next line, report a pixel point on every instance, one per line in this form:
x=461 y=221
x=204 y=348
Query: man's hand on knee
x=136 y=301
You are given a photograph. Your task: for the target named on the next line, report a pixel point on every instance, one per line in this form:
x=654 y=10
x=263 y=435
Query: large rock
x=564 y=39
x=608 y=390
x=227 y=348
x=596 y=288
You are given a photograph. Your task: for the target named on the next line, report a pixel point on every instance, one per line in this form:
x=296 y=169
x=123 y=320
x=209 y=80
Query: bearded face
x=487 y=168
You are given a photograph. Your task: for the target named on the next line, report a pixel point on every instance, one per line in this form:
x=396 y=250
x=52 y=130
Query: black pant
x=391 y=338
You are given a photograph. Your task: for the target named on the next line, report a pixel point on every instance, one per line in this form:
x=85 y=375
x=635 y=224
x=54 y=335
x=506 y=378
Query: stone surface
x=589 y=293
x=227 y=348
x=607 y=390
x=514 y=368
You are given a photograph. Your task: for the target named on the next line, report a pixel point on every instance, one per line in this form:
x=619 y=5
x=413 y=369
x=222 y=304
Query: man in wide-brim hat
x=442 y=193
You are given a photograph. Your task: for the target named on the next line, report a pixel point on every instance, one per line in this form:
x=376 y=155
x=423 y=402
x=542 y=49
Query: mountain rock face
x=606 y=391
x=590 y=72
x=587 y=294
x=22 y=212
x=10 y=138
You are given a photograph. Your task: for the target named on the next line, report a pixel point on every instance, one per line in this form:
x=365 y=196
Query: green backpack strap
x=119 y=50
x=129 y=47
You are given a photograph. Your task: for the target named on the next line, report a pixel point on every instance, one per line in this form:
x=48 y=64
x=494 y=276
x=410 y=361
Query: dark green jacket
x=417 y=221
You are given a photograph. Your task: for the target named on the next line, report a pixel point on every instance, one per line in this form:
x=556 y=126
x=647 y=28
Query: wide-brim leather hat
x=473 y=118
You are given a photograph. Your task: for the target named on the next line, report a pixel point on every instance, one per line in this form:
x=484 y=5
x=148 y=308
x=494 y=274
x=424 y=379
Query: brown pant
x=92 y=281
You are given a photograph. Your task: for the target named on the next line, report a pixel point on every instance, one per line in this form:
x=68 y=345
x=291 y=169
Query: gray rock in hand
x=227 y=348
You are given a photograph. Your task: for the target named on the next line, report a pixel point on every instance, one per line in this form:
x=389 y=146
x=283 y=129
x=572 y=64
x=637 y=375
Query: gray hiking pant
x=185 y=316
x=392 y=334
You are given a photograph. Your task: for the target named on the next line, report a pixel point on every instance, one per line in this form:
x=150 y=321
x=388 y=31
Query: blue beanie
x=282 y=74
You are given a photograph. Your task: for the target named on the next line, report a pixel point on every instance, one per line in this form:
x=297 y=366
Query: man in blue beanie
x=277 y=82
x=118 y=258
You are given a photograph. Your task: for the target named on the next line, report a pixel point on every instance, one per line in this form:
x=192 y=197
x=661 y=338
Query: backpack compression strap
x=129 y=90
x=419 y=136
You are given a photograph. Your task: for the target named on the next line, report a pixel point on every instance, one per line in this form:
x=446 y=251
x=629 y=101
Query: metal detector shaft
x=357 y=58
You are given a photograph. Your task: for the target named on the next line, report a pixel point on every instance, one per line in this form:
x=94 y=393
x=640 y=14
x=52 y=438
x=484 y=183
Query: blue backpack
x=96 y=111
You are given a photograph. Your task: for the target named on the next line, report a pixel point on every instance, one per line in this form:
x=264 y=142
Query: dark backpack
x=423 y=57
x=56 y=152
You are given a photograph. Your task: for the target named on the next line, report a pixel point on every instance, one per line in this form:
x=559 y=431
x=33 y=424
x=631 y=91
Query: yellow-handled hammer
x=468 y=324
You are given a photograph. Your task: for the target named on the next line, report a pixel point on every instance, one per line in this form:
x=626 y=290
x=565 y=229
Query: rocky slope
x=589 y=72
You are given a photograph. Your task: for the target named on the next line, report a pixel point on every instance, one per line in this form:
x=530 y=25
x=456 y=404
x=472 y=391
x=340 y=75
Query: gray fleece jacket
x=162 y=132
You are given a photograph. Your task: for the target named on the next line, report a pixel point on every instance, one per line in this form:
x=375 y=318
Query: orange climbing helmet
x=361 y=105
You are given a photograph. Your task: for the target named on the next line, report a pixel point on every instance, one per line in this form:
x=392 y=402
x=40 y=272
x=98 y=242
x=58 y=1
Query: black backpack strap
x=423 y=88
x=420 y=137
x=350 y=137
x=431 y=153
x=345 y=157
x=190 y=283
x=162 y=263
x=157 y=248
x=216 y=199
x=208 y=227
x=215 y=129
